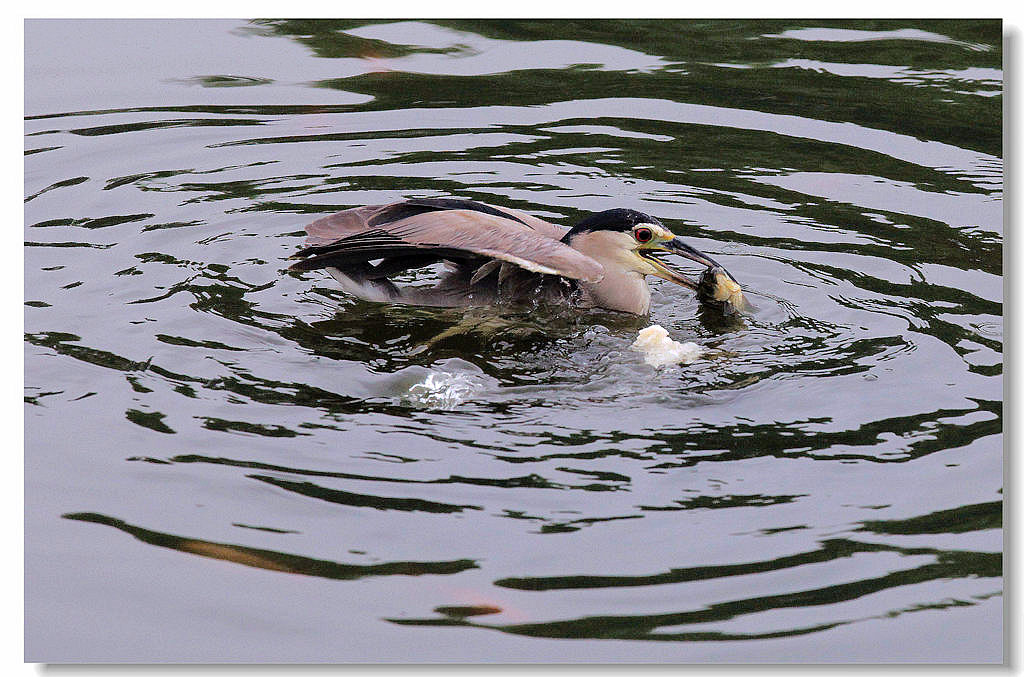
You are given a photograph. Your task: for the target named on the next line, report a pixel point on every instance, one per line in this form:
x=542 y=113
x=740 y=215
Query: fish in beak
x=653 y=255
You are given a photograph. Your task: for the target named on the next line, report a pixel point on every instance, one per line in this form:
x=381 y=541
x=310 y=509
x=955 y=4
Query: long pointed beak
x=677 y=246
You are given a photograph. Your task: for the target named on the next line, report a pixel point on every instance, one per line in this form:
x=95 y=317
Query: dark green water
x=229 y=462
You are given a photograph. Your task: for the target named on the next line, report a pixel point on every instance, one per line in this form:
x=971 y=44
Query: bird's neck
x=621 y=288
x=624 y=291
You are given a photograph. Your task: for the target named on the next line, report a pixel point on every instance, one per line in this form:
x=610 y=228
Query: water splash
x=442 y=390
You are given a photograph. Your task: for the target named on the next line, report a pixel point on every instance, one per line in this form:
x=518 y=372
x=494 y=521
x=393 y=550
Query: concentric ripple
x=228 y=461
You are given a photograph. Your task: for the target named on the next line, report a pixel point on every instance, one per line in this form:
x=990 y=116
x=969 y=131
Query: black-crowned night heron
x=498 y=255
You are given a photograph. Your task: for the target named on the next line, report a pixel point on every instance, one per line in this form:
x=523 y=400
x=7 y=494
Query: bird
x=500 y=256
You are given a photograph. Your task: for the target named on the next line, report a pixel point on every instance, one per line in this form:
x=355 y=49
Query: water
x=225 y=461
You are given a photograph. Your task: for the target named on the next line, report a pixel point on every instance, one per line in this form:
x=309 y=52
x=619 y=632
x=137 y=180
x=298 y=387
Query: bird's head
x=632 y=241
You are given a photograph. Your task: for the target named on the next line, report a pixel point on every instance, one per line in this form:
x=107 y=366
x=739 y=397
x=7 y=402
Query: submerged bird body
x=495 y=255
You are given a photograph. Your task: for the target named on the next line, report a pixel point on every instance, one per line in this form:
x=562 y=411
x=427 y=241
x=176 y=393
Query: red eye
x=643 y=235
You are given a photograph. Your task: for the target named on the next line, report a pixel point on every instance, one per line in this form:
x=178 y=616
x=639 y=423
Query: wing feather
x=348 y=237
x=336 y=226
x=542 y=227
x=342 y=224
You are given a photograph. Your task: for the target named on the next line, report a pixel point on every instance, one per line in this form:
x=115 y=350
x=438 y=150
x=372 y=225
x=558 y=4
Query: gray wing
x=418 y=232
x=351 y=221
x=540 y=226
x=336 y=226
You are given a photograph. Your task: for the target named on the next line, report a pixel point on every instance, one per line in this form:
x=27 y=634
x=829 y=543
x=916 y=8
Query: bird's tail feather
x=380 y=290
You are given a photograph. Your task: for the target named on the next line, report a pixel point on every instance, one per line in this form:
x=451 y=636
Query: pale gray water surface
x=225 y=461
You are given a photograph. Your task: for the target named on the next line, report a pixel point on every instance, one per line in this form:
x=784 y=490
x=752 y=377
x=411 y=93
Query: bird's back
x=492 y=254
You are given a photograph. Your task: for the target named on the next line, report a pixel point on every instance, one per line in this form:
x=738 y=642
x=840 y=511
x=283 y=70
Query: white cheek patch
x=660 y=233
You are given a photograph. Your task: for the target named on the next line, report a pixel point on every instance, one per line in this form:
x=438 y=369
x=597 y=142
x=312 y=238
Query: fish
x=719 y=290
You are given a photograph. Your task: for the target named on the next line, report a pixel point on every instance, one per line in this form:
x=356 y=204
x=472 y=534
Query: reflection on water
x=944 y=566
x=823 y=484
x=275 y=561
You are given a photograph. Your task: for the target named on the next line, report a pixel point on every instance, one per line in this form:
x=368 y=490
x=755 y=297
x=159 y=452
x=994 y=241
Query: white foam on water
x=659 y=350
x=442 y=390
